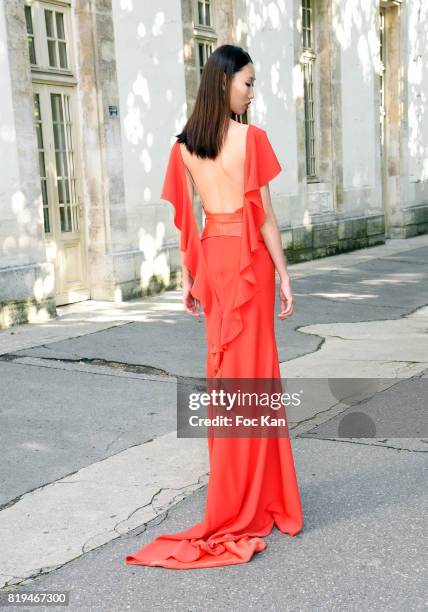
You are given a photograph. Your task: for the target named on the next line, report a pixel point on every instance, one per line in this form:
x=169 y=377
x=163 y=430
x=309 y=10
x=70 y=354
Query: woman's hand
x=286 y=298
x=191 y=304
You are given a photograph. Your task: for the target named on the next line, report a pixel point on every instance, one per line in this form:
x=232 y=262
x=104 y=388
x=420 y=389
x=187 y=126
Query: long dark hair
x=206 y=127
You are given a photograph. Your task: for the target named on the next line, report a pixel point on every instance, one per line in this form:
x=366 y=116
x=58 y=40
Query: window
x=204 y=13
x=55 y=36
x=204 y=34
x=308 y=84
x=58 y=154
x=307 y=24
x=48 y=34
x=42 y=165
x=64 y=162
x=308 y=65
x=382 y=110
x=204 y=51
x=30 y=35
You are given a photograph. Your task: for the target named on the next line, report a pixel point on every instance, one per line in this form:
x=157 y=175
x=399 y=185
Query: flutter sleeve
x=267 y=161
x=261 y=166
x=175 y=190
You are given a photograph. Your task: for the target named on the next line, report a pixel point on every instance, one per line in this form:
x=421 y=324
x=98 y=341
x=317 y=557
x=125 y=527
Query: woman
x=230 y=271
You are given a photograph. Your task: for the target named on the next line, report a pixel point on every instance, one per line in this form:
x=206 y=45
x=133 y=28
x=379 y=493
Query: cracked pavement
x=92 y=468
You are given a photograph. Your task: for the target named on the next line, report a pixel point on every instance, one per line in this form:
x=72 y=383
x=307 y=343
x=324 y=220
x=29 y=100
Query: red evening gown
x=252 y=482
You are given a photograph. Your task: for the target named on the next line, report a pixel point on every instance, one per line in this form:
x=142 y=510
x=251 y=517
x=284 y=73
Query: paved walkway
x=92 y=468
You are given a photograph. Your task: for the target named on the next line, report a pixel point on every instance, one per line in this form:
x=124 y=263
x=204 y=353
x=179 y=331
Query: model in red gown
x=252 y=483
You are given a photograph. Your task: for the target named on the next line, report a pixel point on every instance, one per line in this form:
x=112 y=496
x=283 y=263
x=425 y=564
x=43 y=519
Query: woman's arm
x=185 y=272
x=272 y=238
x=271 y=235
x=191 y=305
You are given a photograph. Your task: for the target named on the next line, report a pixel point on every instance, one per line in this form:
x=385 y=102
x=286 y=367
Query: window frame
x=202 y=41
x=309 y=55
x=41 y=39
x=202 y=26
x=203 y=34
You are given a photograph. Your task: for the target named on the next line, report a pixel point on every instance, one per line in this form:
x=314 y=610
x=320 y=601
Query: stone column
x=26 y=279
x=102 y=148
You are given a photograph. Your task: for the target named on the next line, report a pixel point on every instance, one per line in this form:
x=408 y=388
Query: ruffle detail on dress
x=175 y=190
x=261 y=166
x=198 y=553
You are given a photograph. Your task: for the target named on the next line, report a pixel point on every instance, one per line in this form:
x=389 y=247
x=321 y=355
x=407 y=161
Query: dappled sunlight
x=118 y=295
x=345 y=295
x=354 y=28
x=142 y=147
x=43 y=287
x=38 y=315
x=254 y=18
x=138 y=310
x=27 y=219
x=297 y=81
x=155 y=267
x=155 y=55
x=90 y=316
x=3 y=51
x=398 y=279
x=142 y=32
x=146 y=161
x=274 y=14
x=147 y=194
x=272 y=85
x=275 y=79
x=154 y=105
x=32 y=445
x=127 y=5
x=141 y=88
x=34 y=314
x=7 y=133
x=158 y=23
x=156 y=262
x=9 y=245
x=132 y=121
x=368 y=53
x=240 y=30
x=352 y=17
x=21 y=212
x=307 y=220
x=358 y=179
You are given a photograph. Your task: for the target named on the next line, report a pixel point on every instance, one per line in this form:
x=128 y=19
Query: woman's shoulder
x=248 y=132
x=256 y=127
x=258 y=136
x=258 y=130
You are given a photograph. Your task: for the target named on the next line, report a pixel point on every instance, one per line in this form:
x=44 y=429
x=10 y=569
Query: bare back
x=220 y=182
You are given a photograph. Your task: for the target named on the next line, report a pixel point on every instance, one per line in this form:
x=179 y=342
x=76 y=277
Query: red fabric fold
x=261 y=166
x=176 y=192
x=199 y=553
x=252 y=483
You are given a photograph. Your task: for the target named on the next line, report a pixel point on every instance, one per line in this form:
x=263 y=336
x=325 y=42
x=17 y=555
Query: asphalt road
x=88 y=415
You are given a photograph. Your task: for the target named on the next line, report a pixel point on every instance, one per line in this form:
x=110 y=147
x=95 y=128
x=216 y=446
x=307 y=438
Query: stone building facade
x=93 y=92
